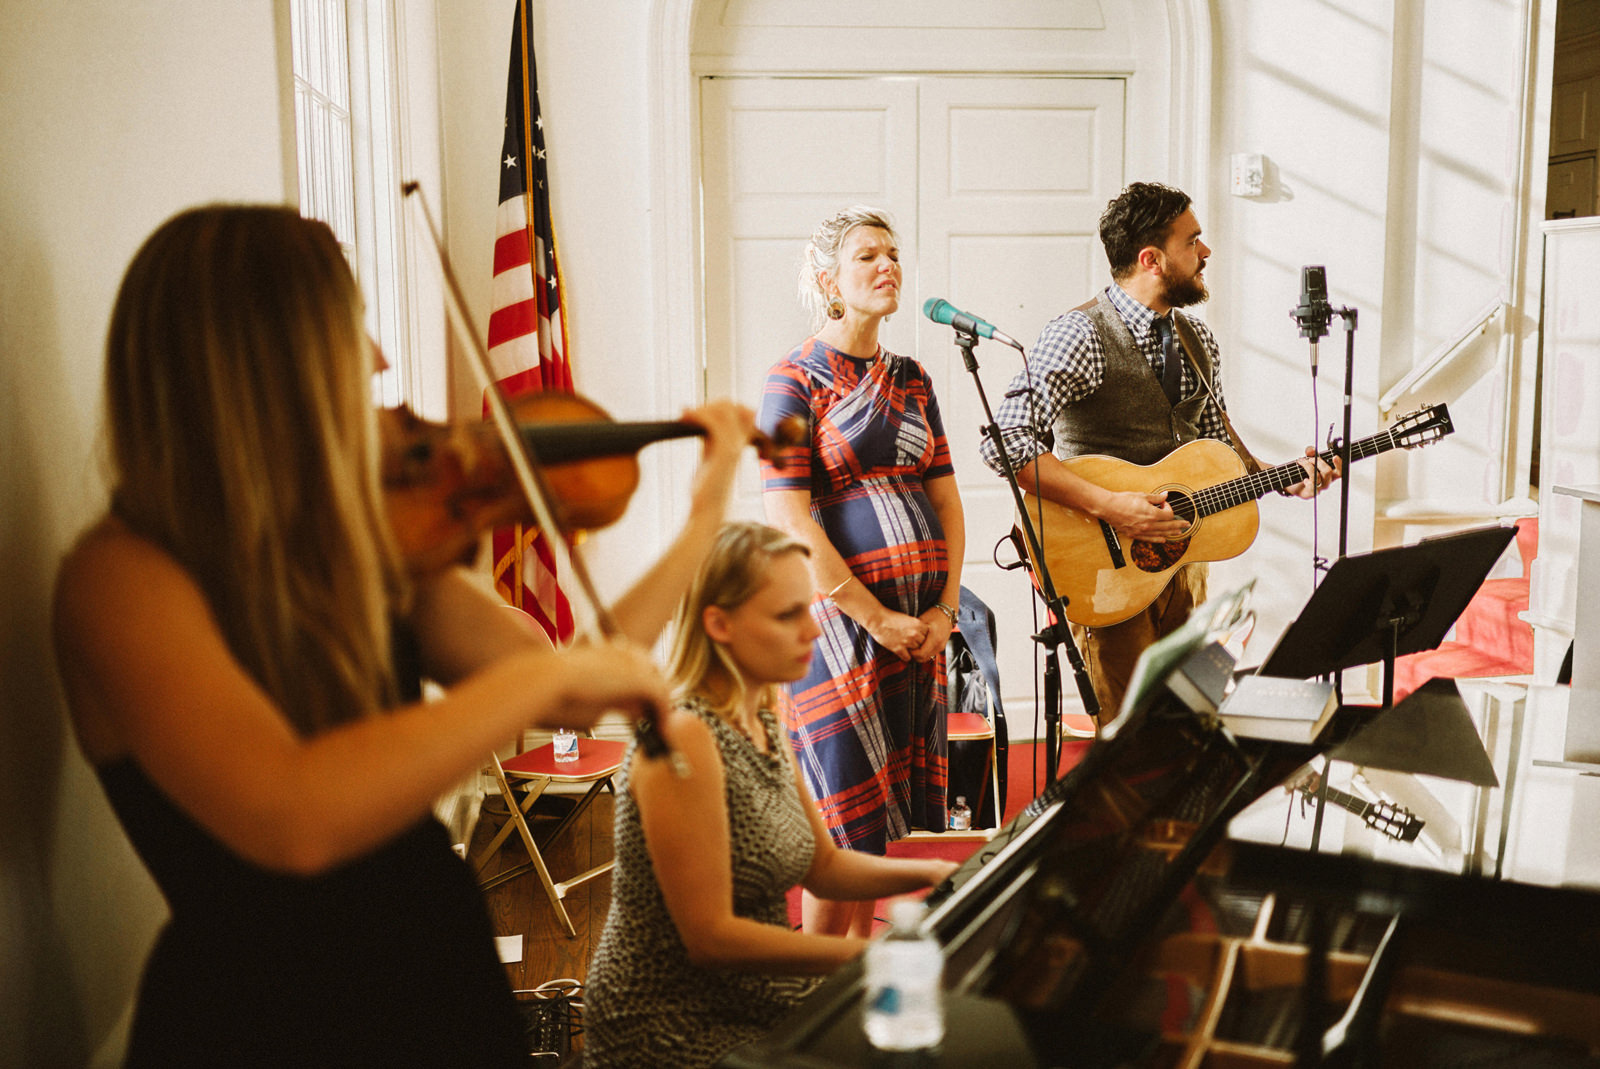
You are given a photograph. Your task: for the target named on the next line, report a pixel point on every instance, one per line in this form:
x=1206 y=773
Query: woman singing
x=878 y=508
x=697 y=954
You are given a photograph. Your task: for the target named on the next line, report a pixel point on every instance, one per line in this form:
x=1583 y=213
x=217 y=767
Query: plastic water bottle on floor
x=903 y=1006
x=960 y=815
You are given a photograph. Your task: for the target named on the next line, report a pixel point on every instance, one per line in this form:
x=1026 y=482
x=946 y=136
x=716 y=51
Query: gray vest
x=1129 y=417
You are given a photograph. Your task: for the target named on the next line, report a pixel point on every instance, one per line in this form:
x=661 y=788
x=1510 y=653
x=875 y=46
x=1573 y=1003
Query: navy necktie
x=1171 y=359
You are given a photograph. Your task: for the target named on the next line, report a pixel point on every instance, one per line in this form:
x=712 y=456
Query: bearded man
x=1127 y=375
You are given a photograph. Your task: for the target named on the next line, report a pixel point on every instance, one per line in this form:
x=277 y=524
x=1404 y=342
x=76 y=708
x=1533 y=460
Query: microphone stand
x=1347 y=317
x=1055 y=635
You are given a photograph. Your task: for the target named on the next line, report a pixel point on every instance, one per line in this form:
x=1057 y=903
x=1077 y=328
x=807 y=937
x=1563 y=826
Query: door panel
x=779 y=156
x=1014 y=175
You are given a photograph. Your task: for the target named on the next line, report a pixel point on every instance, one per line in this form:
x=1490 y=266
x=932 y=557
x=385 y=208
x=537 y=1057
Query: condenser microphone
x=942 y=311
x=1313 y=312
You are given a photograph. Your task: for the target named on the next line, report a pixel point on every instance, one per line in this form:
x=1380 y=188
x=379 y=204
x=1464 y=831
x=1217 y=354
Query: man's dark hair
x=1140 y=215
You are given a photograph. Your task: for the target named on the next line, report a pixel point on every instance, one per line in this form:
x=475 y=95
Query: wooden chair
x=530 y=774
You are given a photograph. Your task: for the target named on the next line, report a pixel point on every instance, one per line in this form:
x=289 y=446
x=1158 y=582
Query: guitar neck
x=1348 y=802
x=1250 y=487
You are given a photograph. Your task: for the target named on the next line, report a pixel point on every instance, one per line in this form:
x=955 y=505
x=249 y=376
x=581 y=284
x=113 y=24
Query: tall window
x=349 y=160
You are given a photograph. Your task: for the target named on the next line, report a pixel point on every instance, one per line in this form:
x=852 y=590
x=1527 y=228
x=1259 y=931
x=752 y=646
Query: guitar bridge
x=1113 y=545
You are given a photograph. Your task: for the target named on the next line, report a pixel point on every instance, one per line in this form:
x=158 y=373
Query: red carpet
x=1025 y=772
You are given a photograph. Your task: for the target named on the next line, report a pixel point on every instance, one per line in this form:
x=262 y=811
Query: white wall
x=596 y=109
x=1396 y=145
x=116 y=116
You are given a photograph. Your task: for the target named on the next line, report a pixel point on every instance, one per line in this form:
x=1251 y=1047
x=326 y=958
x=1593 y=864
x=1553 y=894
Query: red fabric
x=1490 y=637
x=967 y=726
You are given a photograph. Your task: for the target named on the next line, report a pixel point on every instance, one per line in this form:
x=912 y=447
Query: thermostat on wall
x=1249 y=174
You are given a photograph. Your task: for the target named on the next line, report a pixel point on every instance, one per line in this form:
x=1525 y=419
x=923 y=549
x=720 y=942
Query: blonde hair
x=734 y=570
x=244 y=442
x=822 y=254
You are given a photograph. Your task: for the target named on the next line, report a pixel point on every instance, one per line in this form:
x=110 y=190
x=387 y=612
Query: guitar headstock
x=1397 y=822
x=1386 y=818
x=1422 y=427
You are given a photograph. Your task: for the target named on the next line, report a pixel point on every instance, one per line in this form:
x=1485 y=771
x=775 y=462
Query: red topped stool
x=530 y=774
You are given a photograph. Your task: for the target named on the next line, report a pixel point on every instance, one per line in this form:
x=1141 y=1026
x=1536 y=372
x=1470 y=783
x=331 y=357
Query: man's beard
x=1182 y=294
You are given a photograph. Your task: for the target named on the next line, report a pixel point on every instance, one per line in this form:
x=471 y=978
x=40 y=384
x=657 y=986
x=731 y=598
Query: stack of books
x=1256 y=707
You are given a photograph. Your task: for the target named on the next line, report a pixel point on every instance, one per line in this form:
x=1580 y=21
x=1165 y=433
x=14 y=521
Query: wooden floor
x=519 y=906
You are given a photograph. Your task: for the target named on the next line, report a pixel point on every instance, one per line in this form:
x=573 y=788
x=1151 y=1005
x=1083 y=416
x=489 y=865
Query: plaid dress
x=868 y=728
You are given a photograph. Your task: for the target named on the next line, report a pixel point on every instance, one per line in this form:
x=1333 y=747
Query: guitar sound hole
x=1158 y=556
x=1181 y=504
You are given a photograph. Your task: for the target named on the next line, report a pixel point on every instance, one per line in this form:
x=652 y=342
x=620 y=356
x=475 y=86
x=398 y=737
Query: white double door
x=996 y=186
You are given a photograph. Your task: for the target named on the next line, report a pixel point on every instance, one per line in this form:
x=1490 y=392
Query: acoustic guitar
x=1106 y=579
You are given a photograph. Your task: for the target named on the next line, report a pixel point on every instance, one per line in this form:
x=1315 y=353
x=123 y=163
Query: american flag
x=527 y=333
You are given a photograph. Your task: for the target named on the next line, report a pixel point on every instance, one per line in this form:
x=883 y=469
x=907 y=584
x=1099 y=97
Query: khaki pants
x=1111 y=652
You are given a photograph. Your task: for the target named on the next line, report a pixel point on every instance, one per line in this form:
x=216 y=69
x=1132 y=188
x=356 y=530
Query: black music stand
x=1374 y=607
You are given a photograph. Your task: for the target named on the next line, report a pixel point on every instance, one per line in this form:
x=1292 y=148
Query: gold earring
x=835 y=308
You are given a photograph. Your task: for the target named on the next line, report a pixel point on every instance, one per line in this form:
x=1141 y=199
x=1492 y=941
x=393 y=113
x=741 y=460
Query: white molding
x=1524 y=297
x=675 y=229
x=1561 y=226
x=1190 y=93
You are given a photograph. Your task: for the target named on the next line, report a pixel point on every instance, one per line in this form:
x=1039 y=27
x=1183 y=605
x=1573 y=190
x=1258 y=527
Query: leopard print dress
x=646 y=1006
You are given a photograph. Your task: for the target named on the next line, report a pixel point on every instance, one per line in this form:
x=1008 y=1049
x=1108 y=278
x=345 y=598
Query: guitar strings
x=1226 y=495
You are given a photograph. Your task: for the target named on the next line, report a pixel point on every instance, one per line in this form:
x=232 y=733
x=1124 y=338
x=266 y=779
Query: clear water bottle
x=960 y=815
x=566 y=745
x=903 y=1005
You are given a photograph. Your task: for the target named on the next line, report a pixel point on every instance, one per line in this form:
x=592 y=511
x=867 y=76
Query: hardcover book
x=1201 y=680
x=1281 y=710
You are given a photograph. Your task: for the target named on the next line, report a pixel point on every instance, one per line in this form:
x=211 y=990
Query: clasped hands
x=912 y=638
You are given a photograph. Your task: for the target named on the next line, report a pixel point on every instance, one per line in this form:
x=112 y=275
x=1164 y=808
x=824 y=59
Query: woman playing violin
x=242 y=647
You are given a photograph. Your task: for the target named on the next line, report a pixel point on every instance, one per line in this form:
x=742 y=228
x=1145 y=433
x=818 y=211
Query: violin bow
x=524 y=462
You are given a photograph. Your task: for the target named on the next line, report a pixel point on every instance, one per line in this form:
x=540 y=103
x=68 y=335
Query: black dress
x=388 y=960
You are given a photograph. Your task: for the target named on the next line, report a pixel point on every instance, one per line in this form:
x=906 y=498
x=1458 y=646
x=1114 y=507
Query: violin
x=472 y=498
x=446 y=484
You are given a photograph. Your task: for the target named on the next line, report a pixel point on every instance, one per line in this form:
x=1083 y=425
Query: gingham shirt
x=1068 y=364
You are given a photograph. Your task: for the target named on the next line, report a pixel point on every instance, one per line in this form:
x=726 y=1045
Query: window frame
x=349 y=158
